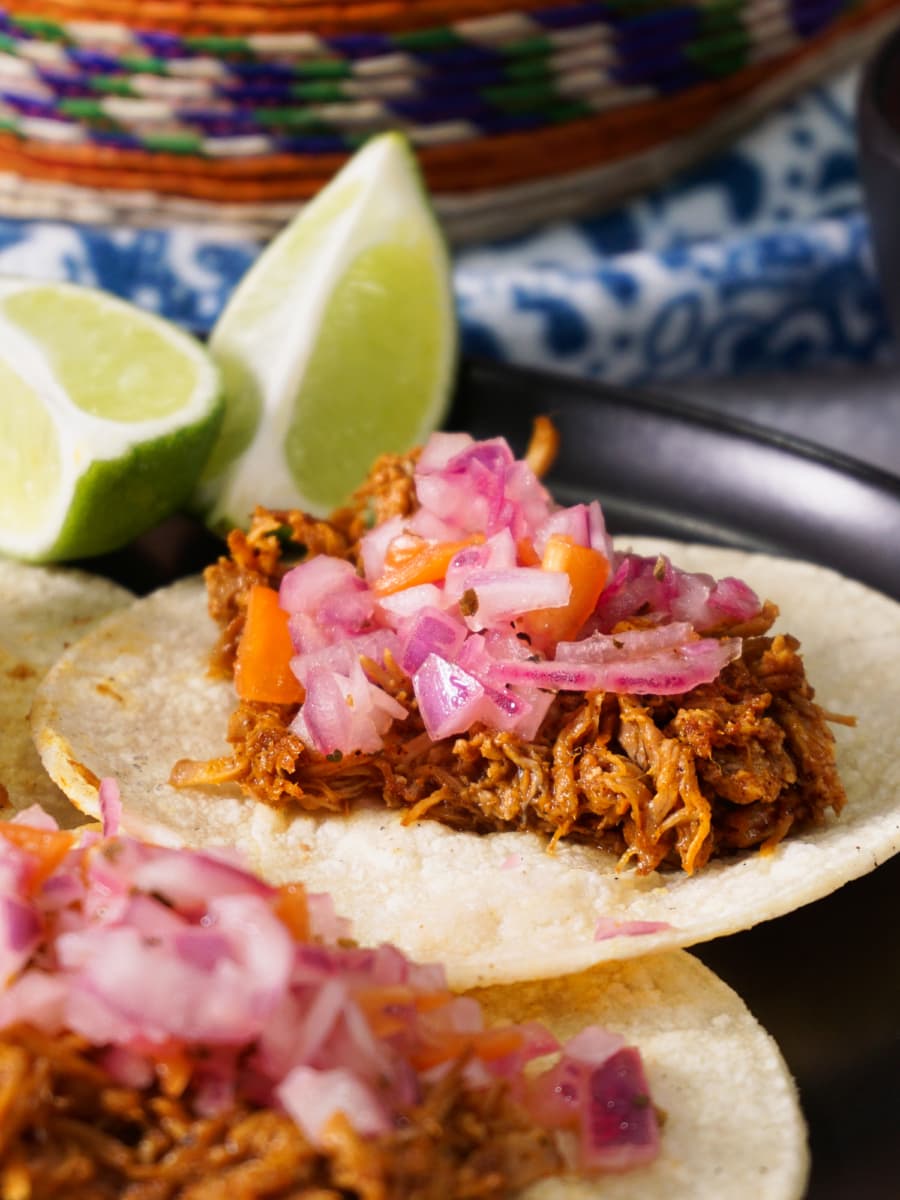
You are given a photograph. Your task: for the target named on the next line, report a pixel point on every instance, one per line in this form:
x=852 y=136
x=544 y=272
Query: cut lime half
x=106 y=419
x=338 y=345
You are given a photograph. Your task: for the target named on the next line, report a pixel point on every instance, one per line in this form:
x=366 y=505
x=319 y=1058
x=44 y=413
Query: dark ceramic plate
x=825 y=981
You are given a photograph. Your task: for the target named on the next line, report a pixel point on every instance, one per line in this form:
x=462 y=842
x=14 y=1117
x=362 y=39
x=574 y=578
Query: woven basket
x=170 y=112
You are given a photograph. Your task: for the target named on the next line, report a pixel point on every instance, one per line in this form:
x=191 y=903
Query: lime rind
x=113 y=479
x=273 y=324
x=131 y=493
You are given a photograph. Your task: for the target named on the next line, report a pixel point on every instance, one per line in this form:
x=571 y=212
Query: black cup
x=878 y=121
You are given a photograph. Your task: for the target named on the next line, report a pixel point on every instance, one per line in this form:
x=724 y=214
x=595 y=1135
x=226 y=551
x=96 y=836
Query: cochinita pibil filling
x=459 y=645
x=171 y=1028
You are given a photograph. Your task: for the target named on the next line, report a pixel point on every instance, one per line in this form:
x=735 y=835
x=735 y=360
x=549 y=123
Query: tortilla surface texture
x=134 y=696
x=732 y=1127
x=42 y=611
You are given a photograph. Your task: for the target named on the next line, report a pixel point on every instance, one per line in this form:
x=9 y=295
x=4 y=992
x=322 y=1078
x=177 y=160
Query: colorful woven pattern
x=258 y=104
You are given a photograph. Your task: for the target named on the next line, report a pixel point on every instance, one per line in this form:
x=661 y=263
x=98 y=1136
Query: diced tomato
x=262 y=668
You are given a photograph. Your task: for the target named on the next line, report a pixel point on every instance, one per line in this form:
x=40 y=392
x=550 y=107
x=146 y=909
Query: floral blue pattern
x=757 y=260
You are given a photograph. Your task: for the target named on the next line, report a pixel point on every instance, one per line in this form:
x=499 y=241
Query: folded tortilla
x=44 y=610
x=135 y=695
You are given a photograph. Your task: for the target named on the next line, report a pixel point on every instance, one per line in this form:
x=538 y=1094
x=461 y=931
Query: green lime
x=107 y=418
x=338 y=345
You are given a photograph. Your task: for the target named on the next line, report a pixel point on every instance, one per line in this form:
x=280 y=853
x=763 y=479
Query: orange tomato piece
x=412 y=560
x=292 y=910
x=588 y=571
x=45 y=847
x=262 y=668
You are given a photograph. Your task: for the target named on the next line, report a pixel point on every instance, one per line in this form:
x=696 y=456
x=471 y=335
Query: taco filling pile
x=459 y=646
x=173 y=1027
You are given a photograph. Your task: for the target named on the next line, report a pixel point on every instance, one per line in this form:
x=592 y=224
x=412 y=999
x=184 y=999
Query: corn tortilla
x=732 y=1126
x=42 y=611
x=134 y=696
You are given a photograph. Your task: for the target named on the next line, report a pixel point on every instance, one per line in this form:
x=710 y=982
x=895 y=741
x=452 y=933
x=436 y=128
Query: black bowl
x=878 y=123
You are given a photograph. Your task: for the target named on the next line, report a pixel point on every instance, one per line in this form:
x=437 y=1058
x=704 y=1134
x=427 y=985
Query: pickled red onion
x=191 y=957
x=456 y=637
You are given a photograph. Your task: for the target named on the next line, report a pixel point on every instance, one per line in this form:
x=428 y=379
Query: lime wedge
x=338 y=345
x=107 y=417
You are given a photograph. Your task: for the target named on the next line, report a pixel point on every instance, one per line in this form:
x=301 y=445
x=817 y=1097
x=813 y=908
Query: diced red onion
x=399 y=606
x=515 y=710
x=593 y=1045
x=440 y=449
x=432 y=528
x=201 y=948
x=344 y=712
x=599 y=537
x=373 y=546
x=653 y=584
x=36 y=817
x=668 y=672
x=189 y=883
x=529 y=500
x=672 y=672
x=324 y=922
x=341 y=656
x=430 y=631
x=307 y=635
x=35 y=998
x=313 y=1097
x=529 y=723
x=110 y=807
x=450 y=700
x=557 y=677
x=572 y=522
x=620 y=647
x=504 y=595
x=497 y=553
x=468 y=492
x=619 y=1126
x=21 y=928
x=148 y=915
x=733 y=599
x=600 y=1088
x=607 y=928
x=347 y=611
x=215 y=1086
x=128 y=1068
x=304 y=587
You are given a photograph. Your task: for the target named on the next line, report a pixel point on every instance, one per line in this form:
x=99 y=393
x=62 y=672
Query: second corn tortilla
x=42 y=611
x=732 y=1128
x=134 y=696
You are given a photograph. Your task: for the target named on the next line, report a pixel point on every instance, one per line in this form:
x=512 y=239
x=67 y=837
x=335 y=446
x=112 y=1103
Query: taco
x=641 y=722
x=42 y=611
x=171 y=1027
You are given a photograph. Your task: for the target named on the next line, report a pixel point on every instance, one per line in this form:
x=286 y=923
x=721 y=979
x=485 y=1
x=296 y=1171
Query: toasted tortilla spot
x=42 y=611
x=21 y=671
x=86 y=773
x=444 y=895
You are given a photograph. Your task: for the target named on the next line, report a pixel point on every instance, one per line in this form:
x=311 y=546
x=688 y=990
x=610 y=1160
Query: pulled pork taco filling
x=170 y=1026
x=460 y=647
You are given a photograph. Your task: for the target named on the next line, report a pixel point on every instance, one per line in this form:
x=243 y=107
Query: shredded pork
x=661 y=781
x=66 y=1131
